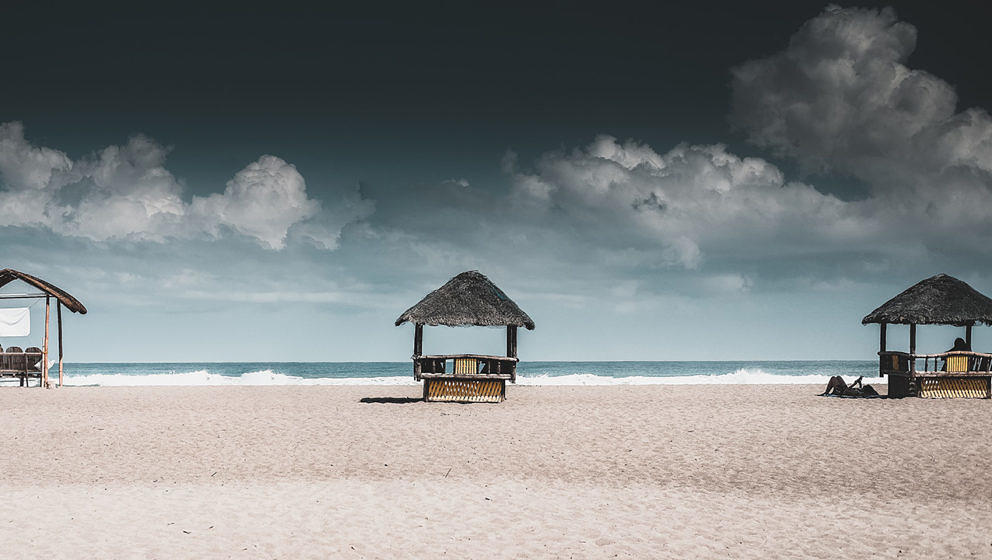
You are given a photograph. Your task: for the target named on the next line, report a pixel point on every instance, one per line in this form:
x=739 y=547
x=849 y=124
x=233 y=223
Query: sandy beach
x=553 y=472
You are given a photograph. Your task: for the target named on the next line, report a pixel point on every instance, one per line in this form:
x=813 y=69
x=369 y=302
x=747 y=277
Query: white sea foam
x=203 y=377
x=744 y=376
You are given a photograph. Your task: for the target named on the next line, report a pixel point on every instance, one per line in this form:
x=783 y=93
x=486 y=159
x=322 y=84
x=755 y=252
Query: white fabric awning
x=15 y=321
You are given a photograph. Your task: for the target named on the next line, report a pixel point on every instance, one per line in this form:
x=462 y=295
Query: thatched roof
x=467 y=299
x=8 y=275
x=938 y=300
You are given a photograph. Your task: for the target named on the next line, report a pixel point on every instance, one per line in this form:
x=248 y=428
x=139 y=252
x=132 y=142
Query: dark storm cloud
x=838 y=98
x=841 y=99
x=624 y=230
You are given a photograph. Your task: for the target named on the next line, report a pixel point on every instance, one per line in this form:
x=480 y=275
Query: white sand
x=557 y=472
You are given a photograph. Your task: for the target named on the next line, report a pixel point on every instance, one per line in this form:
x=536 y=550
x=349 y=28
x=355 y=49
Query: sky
x=697 y=181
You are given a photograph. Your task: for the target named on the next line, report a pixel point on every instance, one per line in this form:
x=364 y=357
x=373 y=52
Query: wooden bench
x=473 y=377
x=958 y=374
x=21 y=364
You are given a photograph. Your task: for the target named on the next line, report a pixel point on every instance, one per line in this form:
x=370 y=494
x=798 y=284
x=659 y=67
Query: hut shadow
x=390 y=400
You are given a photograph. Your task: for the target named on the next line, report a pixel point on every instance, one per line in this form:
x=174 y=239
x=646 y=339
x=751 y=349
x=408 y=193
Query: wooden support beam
x=912 y=347
x=38 y=295
x=881 y=338
x=511 y=341
x=44 y=359
x=418 y=339
x=58 y=308
x=967 y=336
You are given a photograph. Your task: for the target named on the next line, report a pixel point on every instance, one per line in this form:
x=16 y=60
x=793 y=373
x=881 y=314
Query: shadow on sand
x=391 y=400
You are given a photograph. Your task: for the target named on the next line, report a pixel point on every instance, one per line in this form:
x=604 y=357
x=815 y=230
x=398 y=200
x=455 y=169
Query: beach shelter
x=938 y=300
x=32 y=362
x=469 y=299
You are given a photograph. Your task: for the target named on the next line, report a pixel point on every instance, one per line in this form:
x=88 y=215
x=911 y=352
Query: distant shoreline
x=528 y=373
x=407 y=361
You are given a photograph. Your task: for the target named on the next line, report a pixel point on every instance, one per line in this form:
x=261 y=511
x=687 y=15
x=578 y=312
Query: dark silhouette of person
x=960 y=346
x=837 y=386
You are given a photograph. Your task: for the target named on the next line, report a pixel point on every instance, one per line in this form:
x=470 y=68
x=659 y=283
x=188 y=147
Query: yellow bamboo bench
x=954 y=387
x=473 y=377
x=957 y=363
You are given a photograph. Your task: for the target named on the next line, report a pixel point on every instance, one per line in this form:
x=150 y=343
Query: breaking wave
x=202 y=377
x=743 y=376
x=205 y=378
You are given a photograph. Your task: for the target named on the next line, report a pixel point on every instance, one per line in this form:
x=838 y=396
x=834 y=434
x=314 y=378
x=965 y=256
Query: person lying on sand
x=837 y=386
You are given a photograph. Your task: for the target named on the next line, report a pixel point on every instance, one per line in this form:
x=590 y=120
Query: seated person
x=960 y=345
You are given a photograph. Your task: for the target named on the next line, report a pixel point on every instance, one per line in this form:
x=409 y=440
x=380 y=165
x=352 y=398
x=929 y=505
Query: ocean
x=528 y=373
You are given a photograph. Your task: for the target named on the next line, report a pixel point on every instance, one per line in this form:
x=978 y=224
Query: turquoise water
x=528 y=373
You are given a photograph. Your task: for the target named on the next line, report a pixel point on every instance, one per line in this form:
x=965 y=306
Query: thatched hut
x=938 y=300
x=33 y=362
x=469 y=299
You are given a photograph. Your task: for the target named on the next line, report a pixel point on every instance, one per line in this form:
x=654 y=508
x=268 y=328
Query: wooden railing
x=465 y=366
x=21 y=365
x=945 y=363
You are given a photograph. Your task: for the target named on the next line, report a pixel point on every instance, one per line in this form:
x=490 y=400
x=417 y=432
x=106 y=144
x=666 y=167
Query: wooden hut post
x=967 y=336
x=912 y=347
x=418 y=339
x=511 y=341
x=44 y=359
x=881 y=338
x=58 y=313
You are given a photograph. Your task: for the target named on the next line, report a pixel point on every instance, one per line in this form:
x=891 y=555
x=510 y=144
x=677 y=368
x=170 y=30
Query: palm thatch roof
x=8 y=275
x=467 y=299
x=938 y=300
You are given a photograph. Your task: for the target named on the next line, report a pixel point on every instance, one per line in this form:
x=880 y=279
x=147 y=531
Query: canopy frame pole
x=511 y=341
x=58 y=312
x=912 y=347
x=39 y=295
x=44 y=365
x=967 y=336
x=418 y=339
x=881 y=338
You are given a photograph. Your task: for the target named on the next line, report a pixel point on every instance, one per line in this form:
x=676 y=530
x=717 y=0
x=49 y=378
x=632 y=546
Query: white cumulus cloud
x=262 y=201
x=678 y=201
x=126 y=192
x=840 y=97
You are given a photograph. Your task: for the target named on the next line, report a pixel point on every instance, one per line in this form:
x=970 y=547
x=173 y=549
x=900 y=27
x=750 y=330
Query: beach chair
x=956 y=363
x=33 y=357
x=466 y=366
x=16 y=363
x=14 y=359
